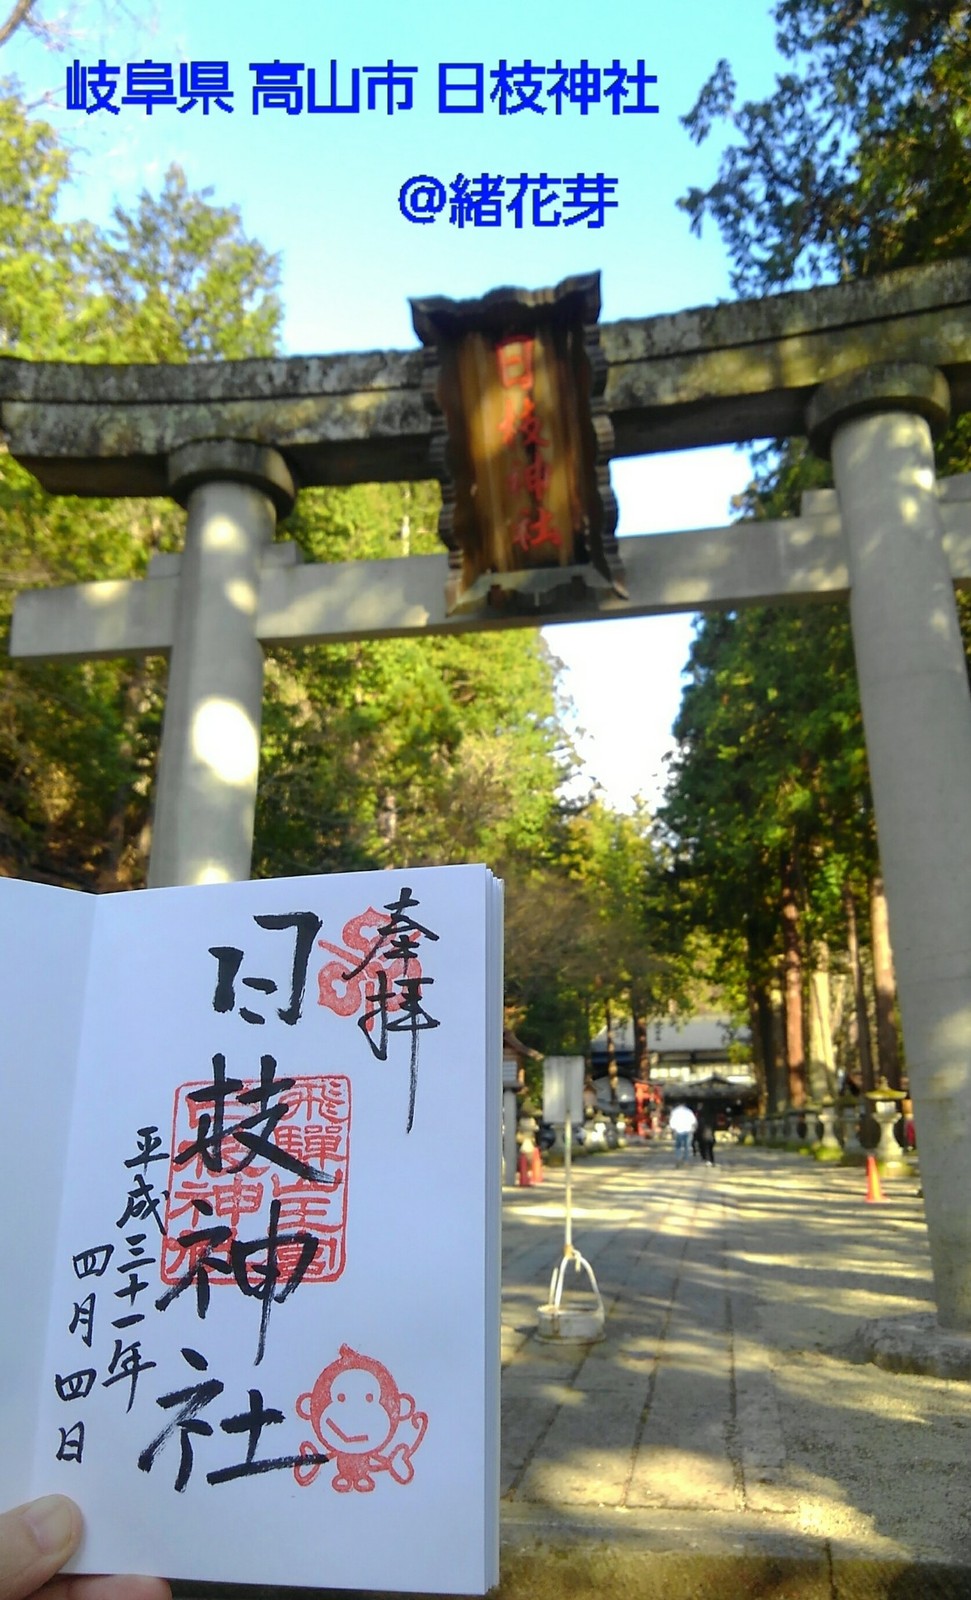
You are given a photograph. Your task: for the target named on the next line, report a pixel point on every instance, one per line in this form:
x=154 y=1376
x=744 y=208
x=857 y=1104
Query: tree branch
x=19 y=14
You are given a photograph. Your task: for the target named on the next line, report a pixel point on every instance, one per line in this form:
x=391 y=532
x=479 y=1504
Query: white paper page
x=389 y=1327
x=492 y=1255
x=44 y=936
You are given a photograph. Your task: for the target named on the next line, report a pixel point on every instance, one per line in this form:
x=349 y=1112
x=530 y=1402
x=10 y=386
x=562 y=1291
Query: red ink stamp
x=379 y=974
x=242 y=1146
x=378 y=952
x=364 y=1422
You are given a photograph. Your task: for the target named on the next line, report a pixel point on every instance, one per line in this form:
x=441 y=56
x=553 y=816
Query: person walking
x=706 y=1138
x=682 y=1123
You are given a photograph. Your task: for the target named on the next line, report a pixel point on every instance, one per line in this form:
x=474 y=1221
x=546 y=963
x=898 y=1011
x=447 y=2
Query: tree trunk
x=19 y=14
x=792 y=991
x=778 y=1100
x=822 y=1070
x=387 y=817
x=763 y=1044
x=124 y=831
x=837 y=1004
x=884 y=985
x=611 y=1053
x=641 y=1064
x=864 y=1049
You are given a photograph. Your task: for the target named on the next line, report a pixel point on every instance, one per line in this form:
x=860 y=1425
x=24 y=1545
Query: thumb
x=35 y=1541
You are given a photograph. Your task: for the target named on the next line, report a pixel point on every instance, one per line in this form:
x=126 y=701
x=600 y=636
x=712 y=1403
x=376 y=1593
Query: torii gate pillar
x=916 y=706
x=210 y=751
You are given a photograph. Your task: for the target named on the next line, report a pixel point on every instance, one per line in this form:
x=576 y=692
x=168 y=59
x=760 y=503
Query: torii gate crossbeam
x=754 y=563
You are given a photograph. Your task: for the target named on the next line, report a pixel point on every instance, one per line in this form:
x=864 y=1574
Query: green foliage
x=770 y=772
x=180 y=281
x=77 y=742
x=45 y=303
x=579 y=933
x=429 y=750
x=858 y=161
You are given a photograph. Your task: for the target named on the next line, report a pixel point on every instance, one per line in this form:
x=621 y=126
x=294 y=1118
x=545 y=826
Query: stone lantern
x=885 y=1108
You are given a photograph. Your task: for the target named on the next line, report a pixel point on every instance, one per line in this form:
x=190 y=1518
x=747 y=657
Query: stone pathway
x=722 y=1408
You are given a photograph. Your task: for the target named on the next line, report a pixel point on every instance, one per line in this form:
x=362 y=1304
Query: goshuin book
x=250 y=1191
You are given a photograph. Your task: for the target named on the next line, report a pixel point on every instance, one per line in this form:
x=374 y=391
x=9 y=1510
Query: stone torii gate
x=867 y=370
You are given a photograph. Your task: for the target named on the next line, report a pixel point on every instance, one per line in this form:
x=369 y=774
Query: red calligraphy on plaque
x=520 y=428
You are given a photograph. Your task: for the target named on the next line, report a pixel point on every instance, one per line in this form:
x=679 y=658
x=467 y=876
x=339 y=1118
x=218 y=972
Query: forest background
x=757 y=884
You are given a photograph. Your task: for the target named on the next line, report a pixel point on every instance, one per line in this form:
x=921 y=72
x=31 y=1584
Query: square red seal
x=237 y=1147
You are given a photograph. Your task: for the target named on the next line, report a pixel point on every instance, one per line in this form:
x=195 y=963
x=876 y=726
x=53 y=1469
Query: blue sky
x=323 y=190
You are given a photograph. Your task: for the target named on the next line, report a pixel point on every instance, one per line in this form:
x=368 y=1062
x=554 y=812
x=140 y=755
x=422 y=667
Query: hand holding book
x=35 y=1541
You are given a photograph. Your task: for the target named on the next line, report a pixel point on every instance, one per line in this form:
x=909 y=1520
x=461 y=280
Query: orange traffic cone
x=874 y=1191
x=537 y=1166
x=525 y=1171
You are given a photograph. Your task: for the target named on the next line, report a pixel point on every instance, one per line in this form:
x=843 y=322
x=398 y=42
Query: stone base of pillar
x=854 y=1154
x=915 y=1343
x=556 y=1153
x=890 y=1158
x=797 y=1135
x=827 y=1147
x=898 y=1167
x=595 y=1133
